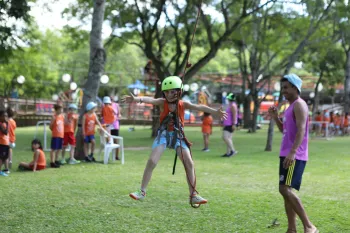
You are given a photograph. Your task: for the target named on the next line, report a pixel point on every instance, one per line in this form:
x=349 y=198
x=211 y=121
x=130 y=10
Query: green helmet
x=231 y=97
x=172 y=82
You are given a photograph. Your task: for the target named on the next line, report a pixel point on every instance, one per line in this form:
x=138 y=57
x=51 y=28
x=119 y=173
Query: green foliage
x=17 y=12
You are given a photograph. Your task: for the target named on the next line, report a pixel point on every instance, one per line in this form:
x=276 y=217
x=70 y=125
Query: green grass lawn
x=242 y=191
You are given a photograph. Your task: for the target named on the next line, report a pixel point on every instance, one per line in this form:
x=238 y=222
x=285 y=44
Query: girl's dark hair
x=37 y=141
x=10 y=112
x=206 y=114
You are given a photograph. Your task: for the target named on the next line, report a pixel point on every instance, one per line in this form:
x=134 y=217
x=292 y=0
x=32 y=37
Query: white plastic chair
x=110 y=147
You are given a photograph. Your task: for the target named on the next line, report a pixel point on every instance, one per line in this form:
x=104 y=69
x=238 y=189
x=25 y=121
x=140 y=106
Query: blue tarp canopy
x=137 y=85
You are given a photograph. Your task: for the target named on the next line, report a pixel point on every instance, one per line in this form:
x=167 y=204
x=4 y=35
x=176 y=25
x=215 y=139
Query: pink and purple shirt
x=229 y=121
x=290 y=132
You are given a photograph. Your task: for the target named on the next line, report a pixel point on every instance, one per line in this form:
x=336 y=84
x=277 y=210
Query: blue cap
x=73 y=106
x=294 y=80
x=90 y=106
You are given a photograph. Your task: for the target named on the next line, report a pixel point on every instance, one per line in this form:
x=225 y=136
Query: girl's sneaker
x=3 y=173
x=206 y=150
x=138 y=195
x=62 y=162
x=196 y=199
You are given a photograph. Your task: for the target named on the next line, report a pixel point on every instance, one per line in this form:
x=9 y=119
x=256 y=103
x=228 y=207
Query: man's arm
x=301 y=114
x=273 y=112
x=279 y=123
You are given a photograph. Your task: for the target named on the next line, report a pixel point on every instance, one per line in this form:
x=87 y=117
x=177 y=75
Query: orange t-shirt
x=318 y=118
x=57 y=126
x=108 y=114
x=206 y=124
x=90 y=122
x=41 y=159
x=4 y=138
x=346 y=121
x=337 y=120
x=70 y=122
x=12 y=128
x=181 y=113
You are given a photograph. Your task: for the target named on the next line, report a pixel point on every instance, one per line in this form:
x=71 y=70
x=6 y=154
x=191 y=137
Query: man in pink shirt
x=294 y=151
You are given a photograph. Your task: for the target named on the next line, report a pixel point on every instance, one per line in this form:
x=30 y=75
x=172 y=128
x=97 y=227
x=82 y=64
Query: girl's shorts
x=162 y=141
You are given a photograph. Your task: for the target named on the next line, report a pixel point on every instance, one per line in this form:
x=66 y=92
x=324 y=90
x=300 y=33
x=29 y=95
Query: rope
x=188 y=65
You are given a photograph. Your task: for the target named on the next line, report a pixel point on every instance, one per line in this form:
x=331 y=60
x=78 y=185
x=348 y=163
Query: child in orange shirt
x=70 y=124
x=207 y=125
x=57 y=128
x=89 y=122
x=39 y=160
x=4 y=141
x=12 y=136
x=109 y=115
x=337 y=123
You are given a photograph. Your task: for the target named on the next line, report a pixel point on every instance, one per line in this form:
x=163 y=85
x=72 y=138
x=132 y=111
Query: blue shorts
x=56 y=143
x=293 y=175
x=162 y=141
x=89 y=138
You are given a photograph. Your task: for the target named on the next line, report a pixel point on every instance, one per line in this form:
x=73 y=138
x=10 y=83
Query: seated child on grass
x=39 y=160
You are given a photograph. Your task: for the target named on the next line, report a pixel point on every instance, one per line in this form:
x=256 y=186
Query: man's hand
x=128 y=98
x=273 y=112
x=288 y=161
x=222 y=114
x=233 y=128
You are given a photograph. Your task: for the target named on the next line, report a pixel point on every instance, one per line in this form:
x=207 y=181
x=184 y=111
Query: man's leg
x=296 y=205
x=291 y=215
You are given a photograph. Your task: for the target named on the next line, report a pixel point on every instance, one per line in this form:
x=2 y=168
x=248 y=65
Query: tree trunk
x=270 y=136
x=255 y=115
x=156 y=114
x=347 y=82
x=316 y=98
x=247 y=117
x=96 y=69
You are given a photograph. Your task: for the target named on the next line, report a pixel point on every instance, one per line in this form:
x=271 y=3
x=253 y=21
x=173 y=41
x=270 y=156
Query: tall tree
x=317 y=11
x=10 y=31
x=162 y=27
x=342 y=27
x=96 y=67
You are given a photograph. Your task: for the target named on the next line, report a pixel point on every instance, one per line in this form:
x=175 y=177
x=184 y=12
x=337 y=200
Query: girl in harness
x=171 y=134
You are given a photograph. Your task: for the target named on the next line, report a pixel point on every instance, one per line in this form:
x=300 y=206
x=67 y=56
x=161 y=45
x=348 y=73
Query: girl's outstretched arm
x=216 y=112
x=148 y=100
